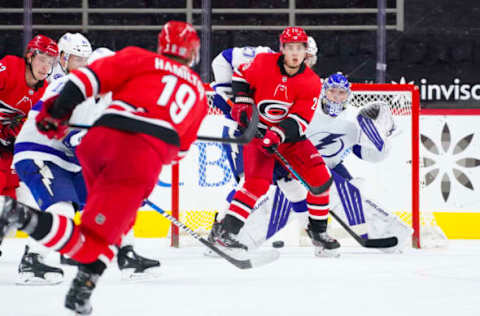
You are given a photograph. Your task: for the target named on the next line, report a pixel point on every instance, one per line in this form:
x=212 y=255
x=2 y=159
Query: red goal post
x=404 y=101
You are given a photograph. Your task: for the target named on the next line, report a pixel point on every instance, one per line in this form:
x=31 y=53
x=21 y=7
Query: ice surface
x=360 y=282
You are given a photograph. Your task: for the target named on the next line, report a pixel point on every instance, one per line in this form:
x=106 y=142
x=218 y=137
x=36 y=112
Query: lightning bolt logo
x=47 y=176
x=328 y=140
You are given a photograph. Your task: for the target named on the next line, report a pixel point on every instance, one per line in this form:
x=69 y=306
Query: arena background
x=432 y=43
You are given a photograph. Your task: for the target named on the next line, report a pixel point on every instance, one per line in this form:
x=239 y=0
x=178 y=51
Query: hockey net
x=204 y=179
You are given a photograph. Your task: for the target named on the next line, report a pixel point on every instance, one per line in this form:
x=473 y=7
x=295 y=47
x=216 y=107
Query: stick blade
x=381 y=242
x=246 y=260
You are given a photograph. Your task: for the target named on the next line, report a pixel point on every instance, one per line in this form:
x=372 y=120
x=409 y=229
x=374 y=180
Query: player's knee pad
x=319 y=188
x=62 y=208
x=256 y=186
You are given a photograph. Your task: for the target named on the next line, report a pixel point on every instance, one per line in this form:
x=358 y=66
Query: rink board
x=453 y=146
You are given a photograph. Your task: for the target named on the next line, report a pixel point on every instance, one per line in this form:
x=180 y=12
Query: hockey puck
x=278 y=244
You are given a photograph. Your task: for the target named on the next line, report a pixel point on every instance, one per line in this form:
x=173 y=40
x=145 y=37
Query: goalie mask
x=335 y=94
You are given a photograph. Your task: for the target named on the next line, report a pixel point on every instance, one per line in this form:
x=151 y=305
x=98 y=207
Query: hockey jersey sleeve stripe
x=80 y=85
x=237 y=77
x=125 y=109
x=87 y=81
x=303 y=124
x=228 y=55
x=92 y=79
x=130 y=123
x=123 y=105
x=29 y=146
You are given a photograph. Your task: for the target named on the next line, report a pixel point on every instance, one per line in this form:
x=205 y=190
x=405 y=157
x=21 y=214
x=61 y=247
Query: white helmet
x=100 y=53
x=312 y=50
x=74 y=44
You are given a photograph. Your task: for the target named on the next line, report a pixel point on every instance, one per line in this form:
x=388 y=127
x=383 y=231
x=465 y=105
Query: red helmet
x=293 y=34
x=179 y=39
x=44 y=45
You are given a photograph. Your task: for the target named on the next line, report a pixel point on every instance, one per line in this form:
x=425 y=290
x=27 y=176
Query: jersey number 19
x=183 y=100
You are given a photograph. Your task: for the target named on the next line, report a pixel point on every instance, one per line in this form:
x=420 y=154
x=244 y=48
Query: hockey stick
x=241 y=264
x=245 y=138
x=367 y=243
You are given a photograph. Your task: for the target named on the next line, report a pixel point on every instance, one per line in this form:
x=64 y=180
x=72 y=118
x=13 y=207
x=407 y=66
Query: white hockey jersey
x=57 y=72
x=336 y=137
x=31 y=144
x=229 y=59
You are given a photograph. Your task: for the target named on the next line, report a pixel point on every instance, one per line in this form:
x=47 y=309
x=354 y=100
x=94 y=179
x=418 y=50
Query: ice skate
x=33 y=271
x=226 y=240
x=215 y=231
x=64 y=260
x=12 y=215
x=78 y=296
x=325 y=246
x=135 y=267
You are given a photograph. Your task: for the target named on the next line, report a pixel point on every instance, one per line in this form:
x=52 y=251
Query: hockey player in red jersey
x=158 y=104
x=22 y=83
x=286 y=93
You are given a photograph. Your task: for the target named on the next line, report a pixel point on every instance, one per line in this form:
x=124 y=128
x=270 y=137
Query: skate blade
x=327 y=253
x=28 y=278
x=150 y=274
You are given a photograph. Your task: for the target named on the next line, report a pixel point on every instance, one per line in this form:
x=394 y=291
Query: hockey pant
x=8 y=177
x=120 y=171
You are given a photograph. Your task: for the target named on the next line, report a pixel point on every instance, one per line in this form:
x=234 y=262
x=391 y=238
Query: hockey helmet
x=179 y=39
x=293 y=34
x=312 y=51
x=74 y=44
x=42 y=44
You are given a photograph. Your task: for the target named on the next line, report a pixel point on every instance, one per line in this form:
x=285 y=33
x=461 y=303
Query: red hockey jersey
x=151 y=94
x=16 y=97
x=285 y=103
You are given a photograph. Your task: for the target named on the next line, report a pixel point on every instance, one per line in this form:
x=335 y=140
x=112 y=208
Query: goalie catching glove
x=376 y=122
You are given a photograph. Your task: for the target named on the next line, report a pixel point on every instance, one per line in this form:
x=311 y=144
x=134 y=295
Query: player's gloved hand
x=270 y=142
x=242 y=112
x=49 y=126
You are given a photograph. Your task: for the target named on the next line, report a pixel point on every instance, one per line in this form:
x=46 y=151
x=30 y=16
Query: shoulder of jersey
x=267 y=56
x=12 y=61
x=136 y=50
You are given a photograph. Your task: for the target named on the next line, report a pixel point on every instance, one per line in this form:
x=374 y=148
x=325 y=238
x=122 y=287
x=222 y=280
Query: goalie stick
x=386 y=242
x=239 y=263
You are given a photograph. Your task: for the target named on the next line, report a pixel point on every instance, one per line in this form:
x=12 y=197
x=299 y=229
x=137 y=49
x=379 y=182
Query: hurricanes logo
x=273 y=111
